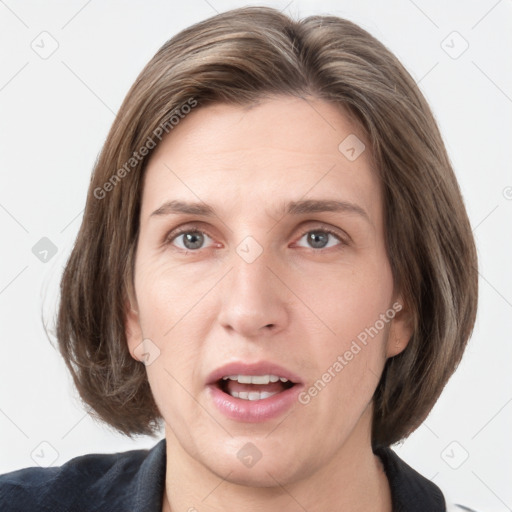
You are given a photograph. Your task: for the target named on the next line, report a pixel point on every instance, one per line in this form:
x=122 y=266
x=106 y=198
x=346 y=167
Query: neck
x=352 y=480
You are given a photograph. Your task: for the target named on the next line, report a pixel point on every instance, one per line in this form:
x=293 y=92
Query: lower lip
x=254 y=411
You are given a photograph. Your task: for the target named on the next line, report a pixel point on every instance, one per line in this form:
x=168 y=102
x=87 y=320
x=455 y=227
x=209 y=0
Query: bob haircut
x=242 y=57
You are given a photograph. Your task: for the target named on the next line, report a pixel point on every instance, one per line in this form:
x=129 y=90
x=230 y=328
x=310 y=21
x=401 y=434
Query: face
x=263 y=290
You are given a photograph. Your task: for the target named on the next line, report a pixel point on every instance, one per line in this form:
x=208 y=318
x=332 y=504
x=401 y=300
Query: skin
x=296 y=305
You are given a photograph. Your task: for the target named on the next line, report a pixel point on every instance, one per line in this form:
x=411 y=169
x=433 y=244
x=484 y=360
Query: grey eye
x=191 y=240
x=320 y=239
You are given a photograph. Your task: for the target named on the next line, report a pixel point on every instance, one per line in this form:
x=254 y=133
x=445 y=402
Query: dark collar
x=410 y=491
x=149 y=482
x=135 y=481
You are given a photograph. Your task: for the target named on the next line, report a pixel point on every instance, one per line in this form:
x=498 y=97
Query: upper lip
x=259 y=368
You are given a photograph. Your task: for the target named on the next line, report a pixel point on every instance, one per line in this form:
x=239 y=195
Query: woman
x=276 y=264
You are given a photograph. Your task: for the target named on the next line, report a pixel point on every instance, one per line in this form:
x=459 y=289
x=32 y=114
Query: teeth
x=260 y=379
x=252 y=395
x=255 y=379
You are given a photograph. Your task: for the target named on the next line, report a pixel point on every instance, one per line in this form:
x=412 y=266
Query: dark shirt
x=134 y=481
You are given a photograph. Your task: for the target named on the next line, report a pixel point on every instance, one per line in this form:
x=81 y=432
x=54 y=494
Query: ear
x=133 y=329
x=401 y=329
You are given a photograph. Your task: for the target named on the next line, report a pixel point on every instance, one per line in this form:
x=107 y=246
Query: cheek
x=355 y=308
x=349 y=300
x=348 y=373
x=167 y=294
x=169 y=314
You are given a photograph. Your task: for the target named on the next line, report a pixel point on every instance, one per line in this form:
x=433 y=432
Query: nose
x=253 y=302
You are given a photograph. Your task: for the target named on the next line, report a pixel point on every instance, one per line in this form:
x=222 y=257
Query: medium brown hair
x=240 y=57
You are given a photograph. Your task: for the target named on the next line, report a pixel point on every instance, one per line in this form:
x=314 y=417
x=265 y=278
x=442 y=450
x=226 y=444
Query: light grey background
x=55 y=112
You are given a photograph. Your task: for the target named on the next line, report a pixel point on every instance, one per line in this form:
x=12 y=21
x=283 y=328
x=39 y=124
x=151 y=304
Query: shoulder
x=84 y=482
x=411 y=491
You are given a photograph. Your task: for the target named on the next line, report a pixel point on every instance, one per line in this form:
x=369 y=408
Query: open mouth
x=253 y=387
x=253 y=392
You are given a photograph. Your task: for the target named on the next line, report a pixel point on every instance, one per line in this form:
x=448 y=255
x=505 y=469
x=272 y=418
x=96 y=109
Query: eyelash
x=171 y=236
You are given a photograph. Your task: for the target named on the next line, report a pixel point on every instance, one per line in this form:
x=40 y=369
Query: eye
x=190 y=239
x=319 y=238
x=195 y=239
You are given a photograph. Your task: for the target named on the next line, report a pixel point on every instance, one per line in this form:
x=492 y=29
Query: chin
x=257 y=462
x=263 y=474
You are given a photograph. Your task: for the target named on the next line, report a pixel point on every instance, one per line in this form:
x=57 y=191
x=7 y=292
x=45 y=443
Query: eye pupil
x=194 y=238
x=318 y=239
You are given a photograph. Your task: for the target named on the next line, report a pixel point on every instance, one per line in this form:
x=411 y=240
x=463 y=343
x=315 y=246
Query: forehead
x=263 y=156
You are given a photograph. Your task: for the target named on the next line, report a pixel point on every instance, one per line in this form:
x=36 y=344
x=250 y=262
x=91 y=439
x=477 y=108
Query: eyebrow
x=304 y=206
